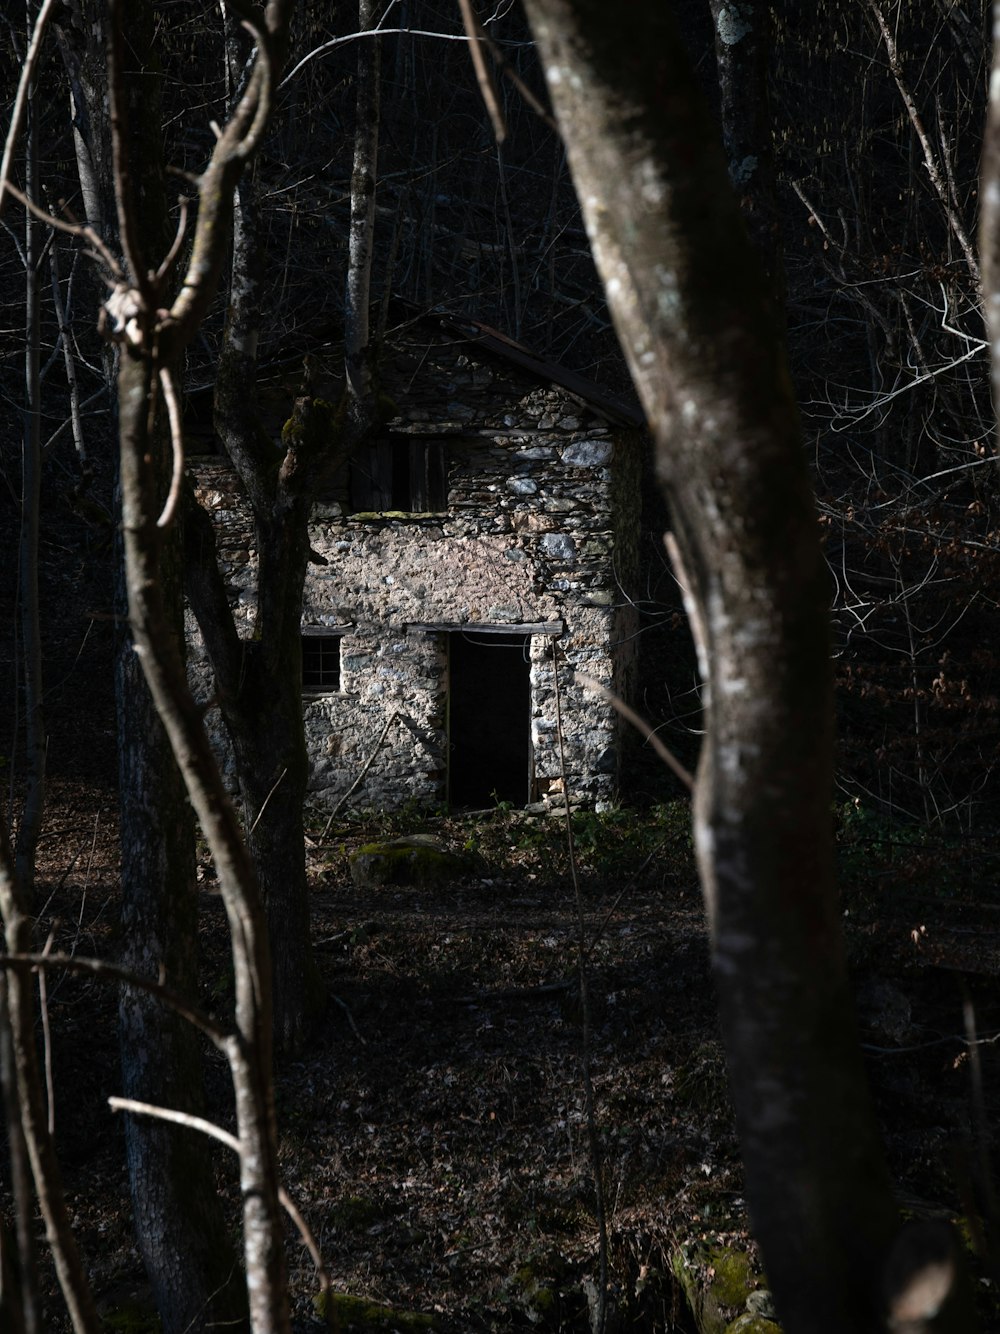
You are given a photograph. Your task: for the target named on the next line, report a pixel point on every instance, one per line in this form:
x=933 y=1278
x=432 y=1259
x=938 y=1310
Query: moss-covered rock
x=730 y=1275
x=748 y=1323
x=539 y=1300
x=417 y=859
x=536 y=1293
x=544 y=1289
x=347 y=1314
x=717 y=1282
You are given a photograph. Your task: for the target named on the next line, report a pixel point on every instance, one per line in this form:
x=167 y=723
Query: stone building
x=483 y=545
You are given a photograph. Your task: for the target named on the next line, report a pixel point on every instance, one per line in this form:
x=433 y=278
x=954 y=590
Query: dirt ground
x=435 y=1131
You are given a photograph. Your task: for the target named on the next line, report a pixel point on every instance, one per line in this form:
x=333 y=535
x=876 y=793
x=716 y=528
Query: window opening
x=320 y=662
x=402 y=473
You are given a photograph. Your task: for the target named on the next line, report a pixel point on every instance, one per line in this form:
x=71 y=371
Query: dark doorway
x=488 y=729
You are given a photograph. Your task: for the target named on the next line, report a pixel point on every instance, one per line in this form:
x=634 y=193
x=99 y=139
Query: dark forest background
x=876 y=158
x=874 y=114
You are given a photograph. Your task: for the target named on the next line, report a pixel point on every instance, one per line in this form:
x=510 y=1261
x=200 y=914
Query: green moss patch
x=346 y=1313
x=748 y=1323
x=417 y=859
x=132 y=1319
x=717 y=1282
x=545 y=1291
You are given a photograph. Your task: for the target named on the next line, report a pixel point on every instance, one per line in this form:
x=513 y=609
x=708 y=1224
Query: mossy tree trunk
x=151 y=335
x=259 y=681
x=258 y=684
x=250 y=1049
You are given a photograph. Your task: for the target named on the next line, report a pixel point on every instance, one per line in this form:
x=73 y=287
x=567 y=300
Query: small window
x=402 y=473
x=320 y=662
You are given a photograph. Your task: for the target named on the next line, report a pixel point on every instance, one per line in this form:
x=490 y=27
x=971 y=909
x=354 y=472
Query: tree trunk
x=272 y=764
x=259 y=683
x=184 y=1242
x=361 y=240
x=183 y=1238
x=742 y=44
x=250 y=1050
x=689 y=305
x=152 y=340
x=989 y=214
x=35 y=740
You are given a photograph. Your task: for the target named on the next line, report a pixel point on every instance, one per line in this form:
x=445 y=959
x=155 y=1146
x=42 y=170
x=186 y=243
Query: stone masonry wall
x=540 y=528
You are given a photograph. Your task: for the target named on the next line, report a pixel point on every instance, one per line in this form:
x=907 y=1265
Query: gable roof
x=497 y=344
x=480 y=338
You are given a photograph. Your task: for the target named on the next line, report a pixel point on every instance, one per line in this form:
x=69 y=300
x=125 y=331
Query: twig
x=364 y=769
x=163 y=272
x=177 y=444
x=334 y=42
x=178 y=1118
x=81 y=230
x=203 y=1021
x=487 y=87
x=814 y=216
x=21 y=98
x=45 y=1170
x=69 y=361
x=308 y=1238
x=263 y=808
x=216 y=1132
x=699 y=631
x=930 y=161
x=350 y=1019
x=43 y=1005
x=640 y=724
x=510 y=73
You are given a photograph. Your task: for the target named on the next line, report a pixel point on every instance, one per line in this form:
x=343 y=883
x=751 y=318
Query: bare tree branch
x=647 y=732
x=21 y=98
x=487 y=88
x=938 y=182
x=989 y=215
x=77 y=963
x=169 y=511
x=41 y=1150
x=206 y=1127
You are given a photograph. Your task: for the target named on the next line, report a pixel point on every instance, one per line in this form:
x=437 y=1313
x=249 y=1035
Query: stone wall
x=540 y=531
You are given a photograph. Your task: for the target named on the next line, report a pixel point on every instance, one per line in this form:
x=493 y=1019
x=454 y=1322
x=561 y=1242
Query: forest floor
x=435 y=1133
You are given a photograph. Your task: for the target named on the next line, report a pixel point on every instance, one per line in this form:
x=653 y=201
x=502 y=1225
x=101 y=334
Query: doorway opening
x=489 y=733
